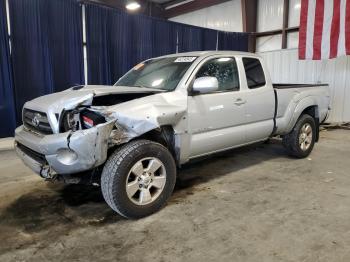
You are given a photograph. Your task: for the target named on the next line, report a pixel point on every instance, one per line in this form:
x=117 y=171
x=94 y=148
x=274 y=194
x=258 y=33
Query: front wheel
x=301 y=140
x=138 y=178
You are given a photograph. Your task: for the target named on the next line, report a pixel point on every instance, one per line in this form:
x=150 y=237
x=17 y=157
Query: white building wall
x=294 y=13
x=270 y=15
x=226 y=17
x=268 y=43
x=285 y=67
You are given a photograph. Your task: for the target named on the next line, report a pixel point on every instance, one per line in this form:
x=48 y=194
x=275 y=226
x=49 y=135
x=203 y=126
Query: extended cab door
x=216 y=119
x=260 y=97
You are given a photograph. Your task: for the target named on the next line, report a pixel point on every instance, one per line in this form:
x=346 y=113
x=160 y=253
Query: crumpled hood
x=139 y=116
x=135 y=117
x=72 y=97
x=69 y=99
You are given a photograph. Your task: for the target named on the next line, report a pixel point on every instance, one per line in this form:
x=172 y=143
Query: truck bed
x=290 y=96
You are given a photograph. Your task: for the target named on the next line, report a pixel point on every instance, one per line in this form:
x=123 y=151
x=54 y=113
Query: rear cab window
x=254 y=72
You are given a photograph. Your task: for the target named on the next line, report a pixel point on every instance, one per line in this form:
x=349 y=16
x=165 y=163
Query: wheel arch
x=306 y=106
x=164 y=135
x=313 y=111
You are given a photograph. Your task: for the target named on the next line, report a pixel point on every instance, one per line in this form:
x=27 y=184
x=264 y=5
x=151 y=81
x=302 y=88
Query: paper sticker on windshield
x=185 y=59
x=139 y=66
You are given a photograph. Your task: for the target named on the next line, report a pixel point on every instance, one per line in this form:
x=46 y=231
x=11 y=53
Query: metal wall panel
x=268 y=43
x=270 y=15
x=285 y=67
x=293 y=40
x=225 y=17
x=294 y=13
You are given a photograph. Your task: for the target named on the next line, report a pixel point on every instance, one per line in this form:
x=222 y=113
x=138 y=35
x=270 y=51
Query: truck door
x=260 y=97
x=216 y=119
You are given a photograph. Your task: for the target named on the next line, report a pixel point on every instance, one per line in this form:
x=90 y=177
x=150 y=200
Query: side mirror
x=205 y=85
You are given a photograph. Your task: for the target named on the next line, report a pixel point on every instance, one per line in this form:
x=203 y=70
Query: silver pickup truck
x=131 y=137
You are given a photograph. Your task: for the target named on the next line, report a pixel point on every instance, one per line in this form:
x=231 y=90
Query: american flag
x=324 y=29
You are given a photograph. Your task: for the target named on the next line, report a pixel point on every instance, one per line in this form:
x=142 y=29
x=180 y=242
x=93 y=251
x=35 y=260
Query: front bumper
x=64 y=153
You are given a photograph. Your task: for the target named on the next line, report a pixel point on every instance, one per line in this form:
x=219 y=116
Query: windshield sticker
x=186 y=59
x=139 y=66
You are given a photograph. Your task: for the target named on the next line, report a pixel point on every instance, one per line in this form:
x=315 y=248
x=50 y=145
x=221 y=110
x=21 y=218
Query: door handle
x=239 y=101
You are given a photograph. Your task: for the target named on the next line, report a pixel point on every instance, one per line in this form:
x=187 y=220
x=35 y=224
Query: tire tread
x=110 y=175
x=290 y=141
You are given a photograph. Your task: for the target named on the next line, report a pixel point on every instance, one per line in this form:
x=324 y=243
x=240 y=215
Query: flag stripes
x=324 y=29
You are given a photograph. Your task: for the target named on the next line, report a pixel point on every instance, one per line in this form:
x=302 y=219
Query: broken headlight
x=80 y=119
x=71 y=121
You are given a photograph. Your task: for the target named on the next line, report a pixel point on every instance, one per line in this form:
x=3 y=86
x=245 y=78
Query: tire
x=293 y=141
x=131 y=167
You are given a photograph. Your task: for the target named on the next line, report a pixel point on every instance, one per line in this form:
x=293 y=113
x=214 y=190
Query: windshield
x=161 y=73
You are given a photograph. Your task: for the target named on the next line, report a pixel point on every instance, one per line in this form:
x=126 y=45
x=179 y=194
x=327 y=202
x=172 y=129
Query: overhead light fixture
x=132 y=5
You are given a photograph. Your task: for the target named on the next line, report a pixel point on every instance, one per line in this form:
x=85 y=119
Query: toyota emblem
x=36 y=120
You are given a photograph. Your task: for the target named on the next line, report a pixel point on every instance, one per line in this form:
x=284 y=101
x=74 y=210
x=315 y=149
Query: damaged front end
x=85 y=126
x=63 y=153
x=77 y=139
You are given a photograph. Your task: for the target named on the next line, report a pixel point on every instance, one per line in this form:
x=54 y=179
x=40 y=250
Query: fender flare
x=300 y=108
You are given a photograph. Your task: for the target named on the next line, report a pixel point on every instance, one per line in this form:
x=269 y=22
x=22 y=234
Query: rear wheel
x=138 y=178
x=300 y=142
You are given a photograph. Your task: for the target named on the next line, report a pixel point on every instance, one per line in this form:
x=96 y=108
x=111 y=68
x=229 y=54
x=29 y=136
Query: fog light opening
x=66 y=156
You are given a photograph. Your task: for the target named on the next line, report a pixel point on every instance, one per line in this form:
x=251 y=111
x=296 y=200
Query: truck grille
x=36 y=121
x=31 y=153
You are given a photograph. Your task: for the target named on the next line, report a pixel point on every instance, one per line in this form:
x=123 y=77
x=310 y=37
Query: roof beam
x=188 y=6
x=285 y=23
x=249 y=15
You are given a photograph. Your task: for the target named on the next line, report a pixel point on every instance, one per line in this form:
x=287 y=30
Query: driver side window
x=225 y=70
